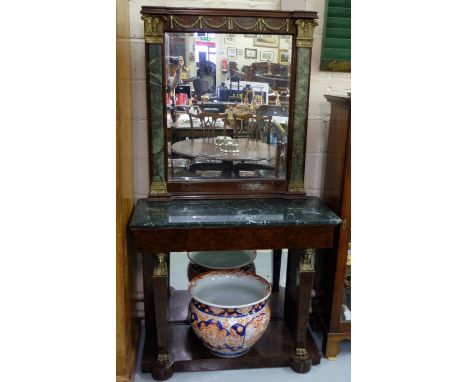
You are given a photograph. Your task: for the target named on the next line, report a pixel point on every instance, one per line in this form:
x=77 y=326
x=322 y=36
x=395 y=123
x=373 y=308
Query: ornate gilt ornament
x=301 y=352
x=154 y=29
x=296 y=186
x=305 y=33
x=163 y=357
x=158 y=188
x=307 y=263
x=229 y=23
x=160 y=268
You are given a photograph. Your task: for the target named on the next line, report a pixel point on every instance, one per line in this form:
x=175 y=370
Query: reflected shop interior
x=227 y=102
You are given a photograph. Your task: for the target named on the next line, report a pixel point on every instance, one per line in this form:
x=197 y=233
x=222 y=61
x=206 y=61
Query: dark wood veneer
x=208 y=239
x=220 y=12
x=272 y=350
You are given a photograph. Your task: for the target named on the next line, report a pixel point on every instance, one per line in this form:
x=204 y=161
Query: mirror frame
x=161 y=20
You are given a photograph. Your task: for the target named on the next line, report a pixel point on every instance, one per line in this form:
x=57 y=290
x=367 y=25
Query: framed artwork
x=266 y=40
x=287 y=41
x=230 y=39
x=240 y=52
x=231 y=53
x=250 y=53
x=266 y=55
x=283 y=56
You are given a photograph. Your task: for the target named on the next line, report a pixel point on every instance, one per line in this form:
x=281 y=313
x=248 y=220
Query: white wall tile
x=141 y=177
x=293 y=5
x=314 y=171
x=140 y=140
x=139 y=107
x=313 y=192
x=137 y=47
x=317 y=136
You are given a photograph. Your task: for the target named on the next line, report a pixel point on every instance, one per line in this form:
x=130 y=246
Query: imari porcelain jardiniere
x=205 y=261
x=229 y=310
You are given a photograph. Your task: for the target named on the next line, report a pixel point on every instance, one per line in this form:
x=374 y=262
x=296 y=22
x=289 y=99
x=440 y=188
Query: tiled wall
x=321 y=83
x=319 y=109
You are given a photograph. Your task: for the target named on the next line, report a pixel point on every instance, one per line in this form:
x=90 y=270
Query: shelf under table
x=274 y=349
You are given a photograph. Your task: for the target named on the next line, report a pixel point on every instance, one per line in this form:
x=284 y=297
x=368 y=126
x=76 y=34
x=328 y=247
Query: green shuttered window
x=336 y=44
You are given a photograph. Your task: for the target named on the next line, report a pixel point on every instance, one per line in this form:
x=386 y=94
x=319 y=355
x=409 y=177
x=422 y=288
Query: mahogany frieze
x=228 y=24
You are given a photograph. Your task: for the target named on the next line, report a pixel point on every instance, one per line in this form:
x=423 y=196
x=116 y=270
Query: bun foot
x=162 y=369
x=301 y=361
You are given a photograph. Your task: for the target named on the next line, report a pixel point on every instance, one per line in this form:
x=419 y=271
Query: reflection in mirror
x=227 y=102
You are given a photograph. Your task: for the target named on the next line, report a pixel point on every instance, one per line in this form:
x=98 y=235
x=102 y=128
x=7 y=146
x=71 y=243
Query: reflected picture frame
x=231 y=53
x=266 y=40
x=250 y=53
x=283 y=56
x=267 y=55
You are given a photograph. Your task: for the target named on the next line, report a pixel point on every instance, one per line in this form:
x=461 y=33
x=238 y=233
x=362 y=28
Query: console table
x=159 y=227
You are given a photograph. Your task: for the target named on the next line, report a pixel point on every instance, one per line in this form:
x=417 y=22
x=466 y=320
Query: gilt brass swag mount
x=154 y=27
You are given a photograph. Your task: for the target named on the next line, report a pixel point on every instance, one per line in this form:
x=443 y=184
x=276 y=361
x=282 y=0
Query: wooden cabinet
x=332 y=289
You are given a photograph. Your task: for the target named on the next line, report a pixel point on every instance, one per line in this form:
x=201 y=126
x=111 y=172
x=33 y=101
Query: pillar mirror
x=228 y=100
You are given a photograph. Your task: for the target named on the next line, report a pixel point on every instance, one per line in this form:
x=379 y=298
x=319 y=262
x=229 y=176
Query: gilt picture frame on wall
x=231 y=53
x=266 y=40
x=283 y=56
x=267 y=55
x=250 y=53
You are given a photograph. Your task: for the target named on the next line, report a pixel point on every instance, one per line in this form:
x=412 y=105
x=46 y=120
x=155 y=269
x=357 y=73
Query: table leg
x=162 y=367
x=150 y=326
x=227 y=168
x=276 y=269
x=301 y=273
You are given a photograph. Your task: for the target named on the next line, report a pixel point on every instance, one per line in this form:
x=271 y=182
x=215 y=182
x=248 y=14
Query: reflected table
x=249 y=151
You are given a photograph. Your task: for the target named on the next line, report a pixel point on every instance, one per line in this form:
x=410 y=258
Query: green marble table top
x=232 y=213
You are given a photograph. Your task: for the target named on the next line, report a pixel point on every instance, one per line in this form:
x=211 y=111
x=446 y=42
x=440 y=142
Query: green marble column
x=301 y=108
x=158 y=175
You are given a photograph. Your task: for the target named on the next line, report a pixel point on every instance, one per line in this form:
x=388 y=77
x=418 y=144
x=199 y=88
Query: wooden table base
x=275 y=349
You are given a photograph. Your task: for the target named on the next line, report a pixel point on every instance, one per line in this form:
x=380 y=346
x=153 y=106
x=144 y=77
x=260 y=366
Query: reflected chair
x=192 y=117
x=274 y=168
x=208 y=122
x=260 y=128
x=241 y=125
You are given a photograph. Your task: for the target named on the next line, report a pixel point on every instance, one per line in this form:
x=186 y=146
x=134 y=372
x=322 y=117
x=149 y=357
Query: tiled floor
x=330 y=371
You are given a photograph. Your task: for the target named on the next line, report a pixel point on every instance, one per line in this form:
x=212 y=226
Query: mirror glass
x=227 y=102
